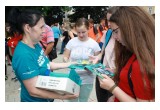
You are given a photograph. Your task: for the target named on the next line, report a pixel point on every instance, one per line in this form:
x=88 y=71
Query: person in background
x=65 y=38
x=72 y=33
x=134 y=31
x=101 y=30
x=47 y=40
x=29 y=59
x=7 y=38
x=93 y=31
x=106 y=57
x=79 y=49
x=57 y=33
x=12 y=43
x=7 y=54
x=14 y=38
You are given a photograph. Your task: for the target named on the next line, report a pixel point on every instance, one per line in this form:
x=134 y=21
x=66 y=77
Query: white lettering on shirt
x=41 y=59
x=28 y=72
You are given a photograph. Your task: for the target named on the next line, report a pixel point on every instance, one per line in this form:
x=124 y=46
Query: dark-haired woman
x=29 y=59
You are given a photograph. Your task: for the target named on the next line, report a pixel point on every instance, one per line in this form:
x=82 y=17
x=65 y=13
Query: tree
x=52 y=14
x=95 y=12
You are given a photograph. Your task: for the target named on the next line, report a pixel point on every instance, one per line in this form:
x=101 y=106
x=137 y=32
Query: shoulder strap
x=108 y=36
x=95 y=30
x=101 y=28
x=69 y=37
x=130 y=81
x=42 y=44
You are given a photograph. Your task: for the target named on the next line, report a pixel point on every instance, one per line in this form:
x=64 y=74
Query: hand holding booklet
x=99 y=69
x=96 y=69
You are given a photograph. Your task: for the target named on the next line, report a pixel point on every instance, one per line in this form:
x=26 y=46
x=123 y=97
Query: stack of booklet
x=99 y=69
x=96 y=69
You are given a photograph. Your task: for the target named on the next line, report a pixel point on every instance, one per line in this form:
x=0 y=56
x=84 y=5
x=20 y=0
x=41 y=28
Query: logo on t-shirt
x=41 y=59
x=81 y=53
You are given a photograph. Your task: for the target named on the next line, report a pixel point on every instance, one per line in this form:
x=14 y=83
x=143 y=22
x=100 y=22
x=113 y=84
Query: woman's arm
x=70 y=34
x=66 y=55
x=107 y=83
x=59 y=65
x=49 y=47
x=95 y=59
x=123 y=97
x=41 y=93
x=97 y=53
x=62 y=65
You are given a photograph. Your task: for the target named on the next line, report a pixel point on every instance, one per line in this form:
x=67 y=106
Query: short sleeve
x=50 y=35
x=26 y=68
x=69 y=44
x=97 y=48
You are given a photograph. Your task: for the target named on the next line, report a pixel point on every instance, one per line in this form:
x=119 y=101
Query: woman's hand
x=93 y=59
x=111 y=70
x=69 y=97
x=106 y=82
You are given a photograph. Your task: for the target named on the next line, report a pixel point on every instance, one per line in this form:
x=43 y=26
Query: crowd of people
x=123 y=41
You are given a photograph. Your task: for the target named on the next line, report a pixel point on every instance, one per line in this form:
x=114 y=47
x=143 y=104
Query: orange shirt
x=101 y=33
x=91 y=34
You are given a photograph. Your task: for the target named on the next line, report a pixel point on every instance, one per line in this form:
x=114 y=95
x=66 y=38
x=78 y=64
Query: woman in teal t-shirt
x=29 y=59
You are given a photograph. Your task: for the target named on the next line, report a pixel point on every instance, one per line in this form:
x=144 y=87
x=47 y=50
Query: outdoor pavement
x=12 y=88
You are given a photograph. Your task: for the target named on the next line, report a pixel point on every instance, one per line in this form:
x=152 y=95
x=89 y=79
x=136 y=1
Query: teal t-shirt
x=28 y=63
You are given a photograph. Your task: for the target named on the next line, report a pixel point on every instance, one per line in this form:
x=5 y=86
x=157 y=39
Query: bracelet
x=112 y=88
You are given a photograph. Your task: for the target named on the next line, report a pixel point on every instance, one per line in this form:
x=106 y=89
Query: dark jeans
x=55 y=42
x=102 y=94
x=63 y=46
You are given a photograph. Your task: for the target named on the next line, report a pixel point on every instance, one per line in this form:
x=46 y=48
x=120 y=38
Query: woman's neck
x=28 y=42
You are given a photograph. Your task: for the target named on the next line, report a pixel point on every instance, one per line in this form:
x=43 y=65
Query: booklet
x=99 y=69
x=96 y=69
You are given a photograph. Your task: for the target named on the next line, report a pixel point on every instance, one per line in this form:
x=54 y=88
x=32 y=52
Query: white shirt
x=80 y=50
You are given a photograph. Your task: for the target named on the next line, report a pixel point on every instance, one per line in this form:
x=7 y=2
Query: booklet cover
x=96 y=69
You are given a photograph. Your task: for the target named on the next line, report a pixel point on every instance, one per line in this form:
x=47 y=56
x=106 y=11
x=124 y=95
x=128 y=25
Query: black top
x=67 y=38
x=75 y=35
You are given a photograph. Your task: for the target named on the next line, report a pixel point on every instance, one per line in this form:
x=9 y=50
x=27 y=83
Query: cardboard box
x=60 y=82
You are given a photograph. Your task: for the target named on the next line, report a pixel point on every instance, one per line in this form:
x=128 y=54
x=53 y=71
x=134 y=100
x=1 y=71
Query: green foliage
x=95 y=12
x=56 y=13
x=66 y=8
x=52 y=14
